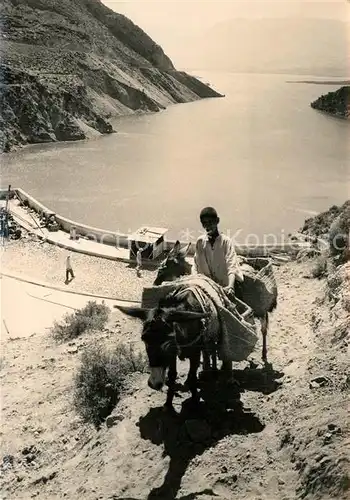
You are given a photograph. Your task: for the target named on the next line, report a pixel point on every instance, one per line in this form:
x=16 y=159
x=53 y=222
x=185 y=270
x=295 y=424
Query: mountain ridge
x=69 y=66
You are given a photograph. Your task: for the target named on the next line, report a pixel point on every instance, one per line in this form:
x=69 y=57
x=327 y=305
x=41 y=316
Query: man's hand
x=229 y=290
x=240 y=277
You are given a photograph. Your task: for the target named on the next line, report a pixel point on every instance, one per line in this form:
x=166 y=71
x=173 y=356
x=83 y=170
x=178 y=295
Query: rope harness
x=229 y=325
x=209 y=330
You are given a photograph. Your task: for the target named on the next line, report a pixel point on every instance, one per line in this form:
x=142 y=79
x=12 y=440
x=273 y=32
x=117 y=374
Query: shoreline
x=91 y=134
x=332 y=115
x=111 y=245
x=321 y=82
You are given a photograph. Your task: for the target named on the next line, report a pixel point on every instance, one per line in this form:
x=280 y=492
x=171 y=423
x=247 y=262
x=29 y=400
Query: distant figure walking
x=73 y=233
x=69 y=269
x=138 y=262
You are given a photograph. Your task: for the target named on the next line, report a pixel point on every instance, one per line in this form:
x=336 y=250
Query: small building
x=151 y=239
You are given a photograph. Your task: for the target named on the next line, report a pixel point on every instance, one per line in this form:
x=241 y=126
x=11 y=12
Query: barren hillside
x=67 y=66
x=284 y=436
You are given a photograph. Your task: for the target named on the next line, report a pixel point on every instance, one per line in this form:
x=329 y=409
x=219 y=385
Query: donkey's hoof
x=268 y=366
x=228 y=379
x=188 y=383
x=195 y=404
x=207 y=375
x=253 y=365
x=234 y=382
x=168 y=409
x=185 y=386
x=192 y=405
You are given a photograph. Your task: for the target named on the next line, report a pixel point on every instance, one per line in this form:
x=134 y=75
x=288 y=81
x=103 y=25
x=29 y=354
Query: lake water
x=261 y=156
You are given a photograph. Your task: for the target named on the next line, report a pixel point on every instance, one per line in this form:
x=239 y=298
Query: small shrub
x=335 y=282
x=101 y=379
x=127 y=361
x=346 y=302
x=91 y=317
x=326 y=478
x=319 y=267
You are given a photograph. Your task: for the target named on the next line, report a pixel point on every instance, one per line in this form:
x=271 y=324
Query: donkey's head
x=175 y=265
x=159 y=337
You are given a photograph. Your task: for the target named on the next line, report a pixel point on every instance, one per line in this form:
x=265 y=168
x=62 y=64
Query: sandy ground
x=47 y=263
x=289 y=438
x=27 y=309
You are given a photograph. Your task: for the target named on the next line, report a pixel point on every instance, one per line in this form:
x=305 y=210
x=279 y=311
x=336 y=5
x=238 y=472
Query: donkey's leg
x=209 y=359
x=264 y=327
x=206 y=359
x=192 y=376
x=172 y=374
x=227 y=367
x=227 y=373
x=214 y=357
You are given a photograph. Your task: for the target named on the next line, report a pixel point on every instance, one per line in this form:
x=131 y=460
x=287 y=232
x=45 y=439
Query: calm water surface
x=261 y=155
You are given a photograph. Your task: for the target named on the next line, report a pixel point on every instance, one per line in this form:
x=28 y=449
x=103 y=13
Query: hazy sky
x=167 y=20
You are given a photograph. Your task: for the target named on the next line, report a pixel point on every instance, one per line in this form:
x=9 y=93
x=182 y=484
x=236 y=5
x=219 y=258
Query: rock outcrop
x=334 y=103
x=67 y=67
x=334 y=226
x=320 y=224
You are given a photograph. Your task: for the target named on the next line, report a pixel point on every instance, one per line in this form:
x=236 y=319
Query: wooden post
x=6 y=221
x=8 y=197
x=6 y=327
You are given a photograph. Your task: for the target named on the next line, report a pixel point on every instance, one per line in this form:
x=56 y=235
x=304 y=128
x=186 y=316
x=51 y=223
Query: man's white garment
x=219 y=261
x=68 y=263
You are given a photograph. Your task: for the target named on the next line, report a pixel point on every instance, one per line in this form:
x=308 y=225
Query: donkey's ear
x=176 y=249
x=184 y=251
x=175 y=316
x=135 y=312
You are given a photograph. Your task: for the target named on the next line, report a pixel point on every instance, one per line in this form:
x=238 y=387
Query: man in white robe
x=215 y=254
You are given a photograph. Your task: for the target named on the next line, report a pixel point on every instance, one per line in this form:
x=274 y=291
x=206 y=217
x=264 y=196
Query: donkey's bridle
x=188 y=344
x=193 y=342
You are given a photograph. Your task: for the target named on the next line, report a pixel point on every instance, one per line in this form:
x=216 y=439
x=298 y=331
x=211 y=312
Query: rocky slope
x=334 y=103
x=68 y=66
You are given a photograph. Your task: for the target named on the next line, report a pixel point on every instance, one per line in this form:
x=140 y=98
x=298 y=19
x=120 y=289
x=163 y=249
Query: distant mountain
x=283 y=45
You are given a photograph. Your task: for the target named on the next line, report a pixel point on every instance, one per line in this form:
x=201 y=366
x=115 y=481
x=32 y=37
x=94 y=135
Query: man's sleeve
x=233 y=267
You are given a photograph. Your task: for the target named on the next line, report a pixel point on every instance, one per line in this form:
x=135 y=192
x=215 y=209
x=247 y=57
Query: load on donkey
x=185 y=315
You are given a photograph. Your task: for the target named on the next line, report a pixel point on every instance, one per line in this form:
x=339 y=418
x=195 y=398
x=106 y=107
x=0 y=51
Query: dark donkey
x=175 y=265
x=174 y=328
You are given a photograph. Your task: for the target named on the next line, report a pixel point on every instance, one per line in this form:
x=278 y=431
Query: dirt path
x=281 y=442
